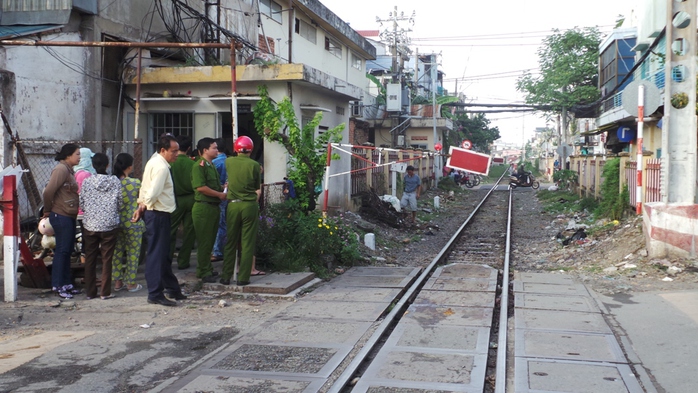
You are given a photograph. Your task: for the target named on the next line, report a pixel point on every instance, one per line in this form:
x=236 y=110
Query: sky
x=486 y=45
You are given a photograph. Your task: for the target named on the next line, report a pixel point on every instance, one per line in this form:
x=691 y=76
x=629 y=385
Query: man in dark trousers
x=244 y=182
x=156 y=202
x=206 y=213
x=184 y=195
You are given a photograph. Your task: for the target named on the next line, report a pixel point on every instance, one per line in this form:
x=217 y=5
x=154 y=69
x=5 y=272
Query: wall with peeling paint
x=50 y=98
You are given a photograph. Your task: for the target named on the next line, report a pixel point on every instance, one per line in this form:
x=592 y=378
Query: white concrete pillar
x=679 y=140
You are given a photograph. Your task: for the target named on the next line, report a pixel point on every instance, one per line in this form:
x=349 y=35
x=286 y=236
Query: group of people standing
x=117 y=209
x=106 y=203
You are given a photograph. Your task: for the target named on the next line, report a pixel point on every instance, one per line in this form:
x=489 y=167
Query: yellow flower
x=319 y=225
x=330 y=233
x=335 y=228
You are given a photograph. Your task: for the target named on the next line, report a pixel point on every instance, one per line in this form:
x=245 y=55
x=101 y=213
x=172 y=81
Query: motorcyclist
x=521 y=174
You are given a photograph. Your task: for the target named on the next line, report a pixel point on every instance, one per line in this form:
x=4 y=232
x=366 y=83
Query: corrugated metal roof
x=9 y=32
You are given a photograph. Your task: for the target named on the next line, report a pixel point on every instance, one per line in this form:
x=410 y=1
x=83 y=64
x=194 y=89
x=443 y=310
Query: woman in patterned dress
x=128 y=245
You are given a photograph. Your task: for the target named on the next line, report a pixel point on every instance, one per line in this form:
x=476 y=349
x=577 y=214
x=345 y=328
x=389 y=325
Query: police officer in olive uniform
x=184 y=196
x=244 y=181
x=208 y=196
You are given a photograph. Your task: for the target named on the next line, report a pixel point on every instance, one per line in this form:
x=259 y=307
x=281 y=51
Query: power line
x=542 y=33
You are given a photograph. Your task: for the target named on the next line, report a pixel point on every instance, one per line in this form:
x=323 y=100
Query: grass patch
x=556 y=202
x=495 y=172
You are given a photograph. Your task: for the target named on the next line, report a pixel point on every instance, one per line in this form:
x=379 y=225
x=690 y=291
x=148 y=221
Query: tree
x=308 y=152
x=568 y=63
x=474 y=127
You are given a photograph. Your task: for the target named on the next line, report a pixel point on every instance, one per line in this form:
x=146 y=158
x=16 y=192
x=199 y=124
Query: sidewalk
x=661 y=328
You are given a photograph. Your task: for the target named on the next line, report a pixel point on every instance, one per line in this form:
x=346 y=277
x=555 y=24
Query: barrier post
x=10 y=213
x=640 y=126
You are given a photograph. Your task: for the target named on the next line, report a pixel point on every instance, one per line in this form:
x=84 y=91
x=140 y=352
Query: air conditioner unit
x=401 y=140
x=357 y=108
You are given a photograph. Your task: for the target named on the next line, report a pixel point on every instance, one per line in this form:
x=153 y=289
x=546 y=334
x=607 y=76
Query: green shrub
x=589 y=204
x=292 y=240
x=612 y=203
x=566 y=179
x=448 y=184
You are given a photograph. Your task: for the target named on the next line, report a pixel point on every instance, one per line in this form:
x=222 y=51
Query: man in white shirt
x=156 y=202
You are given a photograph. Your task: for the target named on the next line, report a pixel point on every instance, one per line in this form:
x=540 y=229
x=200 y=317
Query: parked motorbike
x=467 y=179
x=526 y=180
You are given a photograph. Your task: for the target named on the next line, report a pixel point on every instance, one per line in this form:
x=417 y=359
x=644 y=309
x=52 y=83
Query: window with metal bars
x=170 y=123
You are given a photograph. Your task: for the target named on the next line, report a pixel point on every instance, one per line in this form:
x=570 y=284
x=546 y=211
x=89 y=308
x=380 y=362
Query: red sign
x=469 y=161
x=466 y=144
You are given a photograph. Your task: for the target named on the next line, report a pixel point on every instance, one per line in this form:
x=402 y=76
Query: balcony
x=612 y=107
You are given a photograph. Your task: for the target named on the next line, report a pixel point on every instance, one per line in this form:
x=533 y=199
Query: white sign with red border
x=466 y=144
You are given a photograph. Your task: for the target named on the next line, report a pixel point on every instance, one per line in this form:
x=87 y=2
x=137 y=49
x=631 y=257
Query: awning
x=602 y=129
x=14 y=31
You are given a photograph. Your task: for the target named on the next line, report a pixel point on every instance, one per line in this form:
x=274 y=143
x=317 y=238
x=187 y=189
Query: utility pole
x=398 y=40
x=434 y=77
x=397 y=37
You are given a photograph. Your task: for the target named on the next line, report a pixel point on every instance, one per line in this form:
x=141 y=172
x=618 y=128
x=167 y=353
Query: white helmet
x=45 y=227
x=48 y=242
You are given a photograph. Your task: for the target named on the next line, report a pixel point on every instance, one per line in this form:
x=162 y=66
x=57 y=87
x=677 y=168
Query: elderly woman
x=100 y=198
x=61 y=203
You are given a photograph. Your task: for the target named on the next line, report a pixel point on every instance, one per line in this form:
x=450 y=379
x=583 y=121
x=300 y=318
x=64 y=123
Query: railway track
x=473 y=268
x=437 y=329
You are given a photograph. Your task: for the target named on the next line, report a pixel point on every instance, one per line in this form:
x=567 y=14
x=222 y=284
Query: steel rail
x=402 y=304
x=500 y=383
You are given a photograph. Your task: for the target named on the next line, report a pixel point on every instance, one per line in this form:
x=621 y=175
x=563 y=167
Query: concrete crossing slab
x=411 y=336
x=309 y=332
x=461 y=284
x=426 y=371
x=217 y=383
x=543 y=278
x=569 y=321
x=569 y=346
x=560 y=289
x=448 y=316
x=277 y=283
x=555 y=302
x=250 y=359
x=337 y=293
x=549 y=376
x=313 y=310
x=461 y=270
x=373 y=281
x=383 y=271
x=453 y=298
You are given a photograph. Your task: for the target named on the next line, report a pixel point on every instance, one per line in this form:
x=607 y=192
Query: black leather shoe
x=209 y=279
x=243 y=283
x=177 y=296
x=225 y=281
x=163 y=302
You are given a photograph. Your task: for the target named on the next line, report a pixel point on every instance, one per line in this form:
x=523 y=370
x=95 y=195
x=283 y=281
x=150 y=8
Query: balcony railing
x=616 y=100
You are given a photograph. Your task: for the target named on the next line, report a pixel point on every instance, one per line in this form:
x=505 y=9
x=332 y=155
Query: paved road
x=565 y=339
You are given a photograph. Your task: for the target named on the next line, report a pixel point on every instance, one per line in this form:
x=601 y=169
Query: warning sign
x=469 y=161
